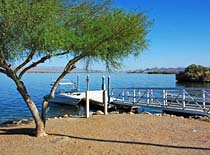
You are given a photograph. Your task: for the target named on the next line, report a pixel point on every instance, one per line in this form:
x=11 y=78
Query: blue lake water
x=13 y=107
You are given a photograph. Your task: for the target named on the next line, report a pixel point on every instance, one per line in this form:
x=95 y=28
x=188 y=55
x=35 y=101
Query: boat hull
x=68 y=98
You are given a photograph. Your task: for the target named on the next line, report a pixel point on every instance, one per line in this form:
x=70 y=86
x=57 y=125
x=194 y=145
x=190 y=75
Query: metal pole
x=88 y=82
x=183 y=99
x=164 y=97
x=139 y=95
x=134 y=96
x=109 y=88
x=87 y=104
x=148 y=96
x=78 y=82
x=204 y=99
x=104 y=95
x=105 y=102
x=103 y=83
x=151 y=96
x=123 y=95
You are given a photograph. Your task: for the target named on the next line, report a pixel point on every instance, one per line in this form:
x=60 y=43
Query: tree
x=194 y=73
x=35 y=31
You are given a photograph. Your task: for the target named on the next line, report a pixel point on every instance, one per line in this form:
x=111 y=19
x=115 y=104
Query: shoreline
x=25 y=121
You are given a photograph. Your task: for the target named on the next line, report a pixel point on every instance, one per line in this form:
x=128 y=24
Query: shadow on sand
x=131 y=142
x=31 y=132
x=18 y=131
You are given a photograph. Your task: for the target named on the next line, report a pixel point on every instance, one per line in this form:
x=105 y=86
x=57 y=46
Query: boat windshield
x=66 y=87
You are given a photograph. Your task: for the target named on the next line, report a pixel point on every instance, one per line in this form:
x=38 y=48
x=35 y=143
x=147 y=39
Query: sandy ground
x=113 y=134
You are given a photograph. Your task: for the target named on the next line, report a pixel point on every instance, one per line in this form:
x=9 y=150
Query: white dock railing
x=185 y=99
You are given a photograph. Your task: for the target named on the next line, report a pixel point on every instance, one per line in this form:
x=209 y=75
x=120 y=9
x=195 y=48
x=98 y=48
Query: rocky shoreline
x=99 y=112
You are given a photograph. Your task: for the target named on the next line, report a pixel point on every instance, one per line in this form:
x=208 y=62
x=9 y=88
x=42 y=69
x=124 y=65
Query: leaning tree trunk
x=69 y=67
x=40 y=129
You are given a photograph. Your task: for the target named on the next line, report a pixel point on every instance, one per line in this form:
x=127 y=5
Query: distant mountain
x=59 y=70
x=158 y=70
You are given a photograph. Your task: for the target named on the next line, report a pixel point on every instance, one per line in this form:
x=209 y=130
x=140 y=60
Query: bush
x=194 y=73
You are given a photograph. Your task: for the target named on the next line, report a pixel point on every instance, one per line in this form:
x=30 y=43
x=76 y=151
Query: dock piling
x=78 y=82
x=164 y=98
x=109 y=88
x=104 y=96
x=87 y=104
x=88 y=82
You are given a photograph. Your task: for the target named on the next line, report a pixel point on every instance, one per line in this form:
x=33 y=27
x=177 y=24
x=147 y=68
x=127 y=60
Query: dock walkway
x=188 y=101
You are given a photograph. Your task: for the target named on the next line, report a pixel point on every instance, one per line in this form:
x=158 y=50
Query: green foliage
x=92 y=29
x=31 y=25
x=194 y=73
x=108 y=35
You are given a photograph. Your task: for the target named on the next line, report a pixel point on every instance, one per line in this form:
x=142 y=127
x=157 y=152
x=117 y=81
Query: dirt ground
x=113 y=134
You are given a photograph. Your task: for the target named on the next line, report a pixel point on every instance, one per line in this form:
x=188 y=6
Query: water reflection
x=193 y=85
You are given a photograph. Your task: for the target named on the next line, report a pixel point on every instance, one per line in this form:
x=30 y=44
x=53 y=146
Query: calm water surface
x=13 y=107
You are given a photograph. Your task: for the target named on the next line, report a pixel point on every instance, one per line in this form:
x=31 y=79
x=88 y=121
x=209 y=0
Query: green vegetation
x=34 y=31
x=194 y=73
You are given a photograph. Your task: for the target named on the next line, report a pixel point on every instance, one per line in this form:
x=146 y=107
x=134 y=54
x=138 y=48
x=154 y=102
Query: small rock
x=131 y=113
x=99 y=112
x=55 y=117
x=167 y=115
x=194 y=130
x=148 y=113
x=65 y=116
x=197 y=117
x=173 y=116
x=19 y=122
x=114 y=112
x=60 y=117
x=61 y=139
x=91 y=113
x=30 y=119
x=25 y=120
x=158 y=114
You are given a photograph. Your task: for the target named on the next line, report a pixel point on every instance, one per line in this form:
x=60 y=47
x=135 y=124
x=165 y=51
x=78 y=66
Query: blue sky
x=179 y=37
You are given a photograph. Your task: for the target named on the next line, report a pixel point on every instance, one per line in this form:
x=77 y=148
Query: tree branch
x=42 y=60
x=3 y=70
x=70 y=66
x=28 y=59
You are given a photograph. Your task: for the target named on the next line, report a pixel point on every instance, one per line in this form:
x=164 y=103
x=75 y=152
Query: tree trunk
x=40 y=128
x=69 y=67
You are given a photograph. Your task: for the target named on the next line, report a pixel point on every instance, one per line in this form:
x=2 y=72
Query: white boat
x=67 y=93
